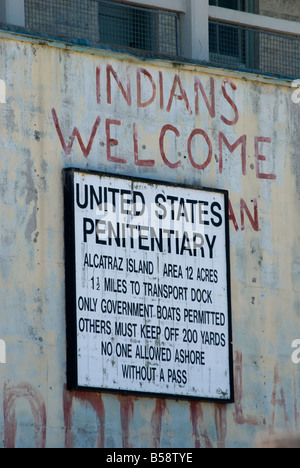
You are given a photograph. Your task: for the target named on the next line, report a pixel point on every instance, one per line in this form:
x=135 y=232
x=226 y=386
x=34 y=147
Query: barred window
x=241 y=5
x=140 y=28
x=254 y=49
x=230 y=44
x=103 y=21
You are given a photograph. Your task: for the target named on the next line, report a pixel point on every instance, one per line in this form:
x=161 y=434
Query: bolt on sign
x=148 y=287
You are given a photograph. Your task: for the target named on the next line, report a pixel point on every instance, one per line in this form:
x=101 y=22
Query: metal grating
x=240 y=5
x=140 y=28
x=254 y=49
x=68 y=19
x=154 y=31
x=103 y=21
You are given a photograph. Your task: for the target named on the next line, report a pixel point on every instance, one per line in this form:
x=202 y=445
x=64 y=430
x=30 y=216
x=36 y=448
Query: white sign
x=148 y=306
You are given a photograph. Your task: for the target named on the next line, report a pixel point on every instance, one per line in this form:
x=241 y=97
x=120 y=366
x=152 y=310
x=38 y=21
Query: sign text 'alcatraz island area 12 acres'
x=148 y=306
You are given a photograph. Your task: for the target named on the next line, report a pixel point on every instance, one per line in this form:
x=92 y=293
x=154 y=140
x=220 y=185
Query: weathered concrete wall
x=284 y=9
x=66 y=108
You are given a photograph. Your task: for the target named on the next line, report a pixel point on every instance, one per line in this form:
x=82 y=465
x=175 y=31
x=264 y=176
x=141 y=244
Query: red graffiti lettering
x=232 y=217
x=137 y=160
x=112 y=142
x=278 y=399
x=199 y=415
x=68 y=147
x=139 y=88
x=201 y=438
x=126 y=93
x=38 y=409
x=260 y=157
x=161 y=145
x=95 y=401
x=239 y=416
x=161 y=89
x=180 y=97
x=210 y=151
x=160 y=410
x=98 y=90
x=231 y=102
x=221 y=424
x=241 y=141
x=127 y=413
x=211 y=106
x=254 y=220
